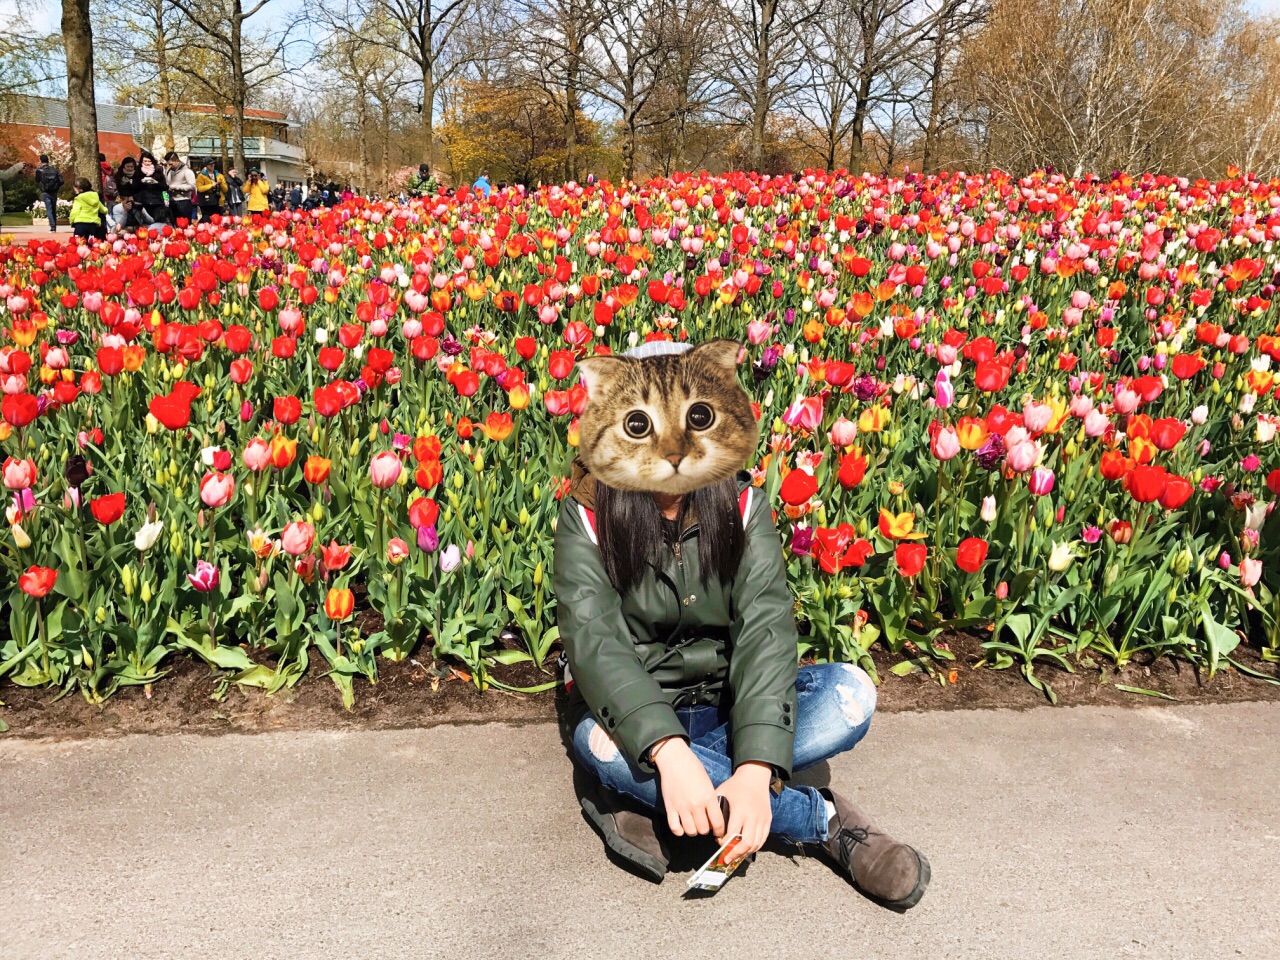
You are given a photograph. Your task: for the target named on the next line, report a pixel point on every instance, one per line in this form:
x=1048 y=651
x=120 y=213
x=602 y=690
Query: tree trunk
x=428 y=109
x=571 y=115
x=764 y=69
x=239 y=89
x=861 y=107
x=935 y=97
x=82 y=111
x=162 y=72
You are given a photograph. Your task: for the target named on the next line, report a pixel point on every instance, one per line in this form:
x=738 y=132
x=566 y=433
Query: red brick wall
x=22 y=136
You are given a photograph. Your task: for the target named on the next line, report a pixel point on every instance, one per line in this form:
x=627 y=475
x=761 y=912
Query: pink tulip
x=217 y=489
x=206 y=577
x=758 y=332
x=1250 y=571
x=843 y=433
x=945 y=444
x=1096 y=423
x=944 y=394
x=397 y=551
x=1041 y=481
x=19 y=474
x=1036 y=416
x=257 y=455
x=384 y=470
x=805 y=413
x=297 y=538
x=1022 y=456
x=1126 y=401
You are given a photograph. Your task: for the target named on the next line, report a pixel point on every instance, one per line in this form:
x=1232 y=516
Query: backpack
x=49 y=179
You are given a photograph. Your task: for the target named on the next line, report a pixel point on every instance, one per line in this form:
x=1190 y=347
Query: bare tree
x=633 y=41
x=761 y=57
x=558 y=55
x=252 y=61
x=139 y=40
x=935 y=60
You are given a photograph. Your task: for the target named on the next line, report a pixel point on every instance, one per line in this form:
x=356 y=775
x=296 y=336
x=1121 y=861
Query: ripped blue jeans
x=835 y=702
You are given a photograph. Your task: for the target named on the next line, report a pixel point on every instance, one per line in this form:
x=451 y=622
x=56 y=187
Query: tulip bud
x=537 y=574
x=457 y=481
x=523 y=518
x=146 y=591
x=317 y=512
x=99 y=615
x=126 y=579
x=355 y=447
x=175 y=543
x=85 y=655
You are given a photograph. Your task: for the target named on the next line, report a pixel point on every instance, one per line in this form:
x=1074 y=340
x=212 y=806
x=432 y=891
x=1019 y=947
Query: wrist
x=755 y=772
x=664 y=749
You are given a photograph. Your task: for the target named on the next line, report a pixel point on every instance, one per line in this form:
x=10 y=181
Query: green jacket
x=675 y=640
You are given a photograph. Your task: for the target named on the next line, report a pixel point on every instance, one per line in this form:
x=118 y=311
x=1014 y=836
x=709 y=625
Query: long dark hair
x=629 y=525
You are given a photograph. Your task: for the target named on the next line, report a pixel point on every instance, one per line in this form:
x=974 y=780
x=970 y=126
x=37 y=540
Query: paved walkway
x=1054 y=833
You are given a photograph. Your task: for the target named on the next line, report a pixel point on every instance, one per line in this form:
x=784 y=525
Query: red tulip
x=991 y=376
x=1177 y=491
x=910 y=558
x=172 y=411
x=971 y=554
x=798 y=488
x=19 y=409
x=287 y=410
x=1146 y=483
x=38 y=581
x=1167 y=431
x=107 y=509
x=526 y=347
x=560 y=364
x=268 y=298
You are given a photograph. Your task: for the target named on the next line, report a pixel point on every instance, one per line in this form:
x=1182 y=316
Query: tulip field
x=1039 y=410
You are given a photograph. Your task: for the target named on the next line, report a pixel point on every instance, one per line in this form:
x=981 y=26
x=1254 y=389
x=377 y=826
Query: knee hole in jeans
x=601 y=745
x=856 y=695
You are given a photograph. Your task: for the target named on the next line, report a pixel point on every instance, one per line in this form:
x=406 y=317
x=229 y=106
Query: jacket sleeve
x=763 y=659
x=624 y=697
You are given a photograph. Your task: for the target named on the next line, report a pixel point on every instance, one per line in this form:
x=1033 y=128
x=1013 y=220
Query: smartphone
x=711 y=876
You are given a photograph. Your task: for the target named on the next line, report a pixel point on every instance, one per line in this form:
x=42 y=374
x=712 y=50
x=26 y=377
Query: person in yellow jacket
x=87 y=212
x=211 y=190
x=255 y=193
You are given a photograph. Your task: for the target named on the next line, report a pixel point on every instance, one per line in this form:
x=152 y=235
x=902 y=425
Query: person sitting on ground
x=124 y=214
x=211 y=190
x=680 y=636
x=49 y=180
x=87 y=211
x=149 y=200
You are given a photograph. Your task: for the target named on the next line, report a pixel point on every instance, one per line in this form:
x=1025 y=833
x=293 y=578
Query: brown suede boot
x=885 y=869
x=627 y=830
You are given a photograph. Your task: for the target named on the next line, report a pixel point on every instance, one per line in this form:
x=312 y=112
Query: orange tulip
x=339 y=603
x=316 y=469
x=283 y=451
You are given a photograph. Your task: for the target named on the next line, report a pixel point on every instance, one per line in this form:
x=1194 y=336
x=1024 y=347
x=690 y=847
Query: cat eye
x=637 y=425
x=700 y=416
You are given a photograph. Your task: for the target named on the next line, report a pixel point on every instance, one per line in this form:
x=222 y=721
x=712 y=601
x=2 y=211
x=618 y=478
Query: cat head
x=673 y=422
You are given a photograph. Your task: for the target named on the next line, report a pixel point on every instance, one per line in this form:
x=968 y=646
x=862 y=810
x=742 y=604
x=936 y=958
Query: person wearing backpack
x=680 y=637
x=49 y=180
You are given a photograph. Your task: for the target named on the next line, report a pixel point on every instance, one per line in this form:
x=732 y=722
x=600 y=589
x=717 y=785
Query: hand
x=750 y=812
x=687 y=794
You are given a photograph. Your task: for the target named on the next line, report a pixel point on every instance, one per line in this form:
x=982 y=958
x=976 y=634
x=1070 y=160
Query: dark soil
x=420 y=692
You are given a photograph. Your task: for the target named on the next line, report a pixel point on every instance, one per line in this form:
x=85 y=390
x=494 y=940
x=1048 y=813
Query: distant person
x=49 y=180
x=211 y=190
x=257 y=193
x=348 y=194
x=107 y=174
x=182 y=188
x=277 y=197
x=235 y=193
x=153 y=190
x=295 y=197
x=481 y=186
x=87 y=212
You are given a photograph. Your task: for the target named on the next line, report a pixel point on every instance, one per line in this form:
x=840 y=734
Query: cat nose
x=674 y=458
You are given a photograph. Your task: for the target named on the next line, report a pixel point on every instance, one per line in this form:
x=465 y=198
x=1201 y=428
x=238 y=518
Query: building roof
x=52 y=112
x=251 y=113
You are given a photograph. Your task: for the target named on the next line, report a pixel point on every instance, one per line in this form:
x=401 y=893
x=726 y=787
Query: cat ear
x=600 y=373
x=723 y=353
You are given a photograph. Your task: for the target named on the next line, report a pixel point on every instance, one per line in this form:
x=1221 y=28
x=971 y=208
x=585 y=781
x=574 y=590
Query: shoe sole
x=649 y=867
x=912 y=898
